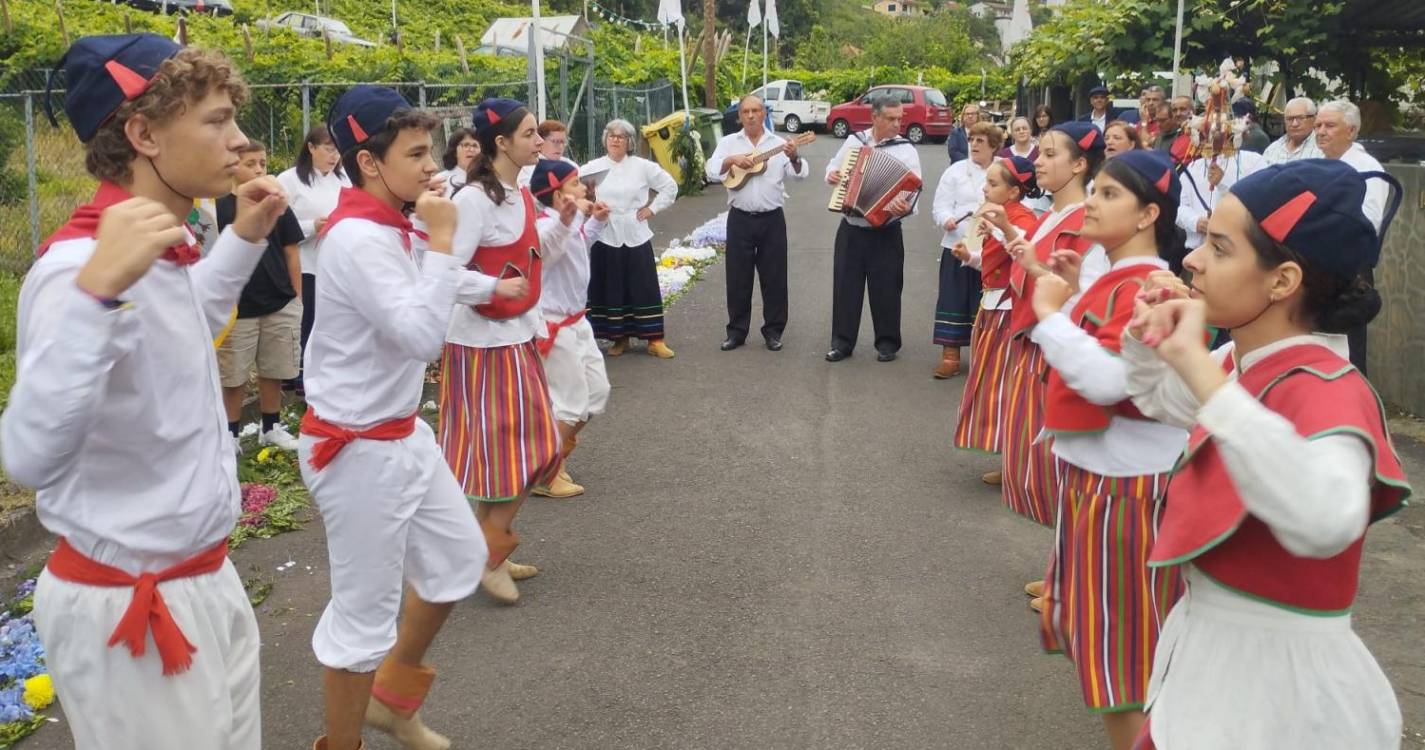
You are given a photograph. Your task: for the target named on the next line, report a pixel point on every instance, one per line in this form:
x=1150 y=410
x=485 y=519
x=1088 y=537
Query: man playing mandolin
x=753 y=164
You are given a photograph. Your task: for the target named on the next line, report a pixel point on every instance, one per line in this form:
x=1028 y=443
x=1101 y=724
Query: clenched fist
x=131 y=236
x=513 y=288
x=260 y=204
x=438 y=213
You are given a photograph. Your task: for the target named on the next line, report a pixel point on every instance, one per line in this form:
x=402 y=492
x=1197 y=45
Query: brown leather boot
x=396 y=698
x=321 y=744
x=949 y=365
x=992 y=477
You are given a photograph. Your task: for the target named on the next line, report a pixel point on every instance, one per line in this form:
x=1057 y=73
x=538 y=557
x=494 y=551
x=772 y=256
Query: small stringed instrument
x=737 y=176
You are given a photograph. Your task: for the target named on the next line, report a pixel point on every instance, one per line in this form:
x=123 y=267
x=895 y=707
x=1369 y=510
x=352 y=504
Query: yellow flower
x=263 y=455
x=39 y=692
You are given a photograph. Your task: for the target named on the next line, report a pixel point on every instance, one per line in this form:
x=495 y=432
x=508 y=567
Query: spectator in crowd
x=1119 y=138
x=1145 y=117
x=1299 y=142
x=461 y=148
x=1338 y=125
x=1254 y=139
x=312 y=188
x=958 y=143
x=1021 y=141
x=1101 y=113
x=1042 y=120
x=269 y=316
x=555 y=137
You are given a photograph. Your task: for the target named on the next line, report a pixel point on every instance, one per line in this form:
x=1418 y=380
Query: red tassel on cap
x=131 y=83
x=1164 y=182
x=1086 y=141
x=356 y=131
x=1021 y=176
x=492 y=115
x=1284 y=219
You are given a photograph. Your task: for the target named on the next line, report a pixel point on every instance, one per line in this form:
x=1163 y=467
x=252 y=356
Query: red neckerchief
x=355 y=203
x=84 y=222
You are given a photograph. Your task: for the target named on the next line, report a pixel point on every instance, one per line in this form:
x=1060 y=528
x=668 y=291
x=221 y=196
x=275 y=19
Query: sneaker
x=278 y=437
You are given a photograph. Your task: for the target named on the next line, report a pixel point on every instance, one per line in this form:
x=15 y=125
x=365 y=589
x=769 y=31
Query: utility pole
x=709 y=54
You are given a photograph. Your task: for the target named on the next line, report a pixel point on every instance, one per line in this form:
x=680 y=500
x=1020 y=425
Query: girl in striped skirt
x=1102 y=604
x=981 y=420
x=1069 y=154
x=497 y=427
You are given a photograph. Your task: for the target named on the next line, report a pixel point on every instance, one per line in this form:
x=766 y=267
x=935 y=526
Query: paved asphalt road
x=774 y=552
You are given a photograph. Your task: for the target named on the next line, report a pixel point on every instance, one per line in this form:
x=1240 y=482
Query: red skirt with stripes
x=1102 y=603
x=497 y=428
x=1029 y=485
x=981 y=421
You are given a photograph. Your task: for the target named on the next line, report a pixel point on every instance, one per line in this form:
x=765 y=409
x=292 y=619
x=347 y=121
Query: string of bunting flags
x=615 y=17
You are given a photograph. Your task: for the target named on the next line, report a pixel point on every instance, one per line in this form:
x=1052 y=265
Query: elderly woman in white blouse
x=624 y=299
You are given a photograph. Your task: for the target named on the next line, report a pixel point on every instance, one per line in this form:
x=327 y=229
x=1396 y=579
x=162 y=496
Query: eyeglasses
x=1294 y=119
x=616 y=137
x=471 y=146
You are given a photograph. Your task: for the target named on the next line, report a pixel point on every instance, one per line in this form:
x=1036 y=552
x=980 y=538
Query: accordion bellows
x=871 y=180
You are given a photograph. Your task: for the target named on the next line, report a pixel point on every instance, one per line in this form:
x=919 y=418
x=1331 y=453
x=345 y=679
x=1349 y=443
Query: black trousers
x=867 y=260
x=309 y=311
x=756 y=244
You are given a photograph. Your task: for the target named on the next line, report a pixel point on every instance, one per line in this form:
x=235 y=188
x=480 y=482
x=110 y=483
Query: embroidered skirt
x=496 y=425
x=1029 y=485
x=1103 y=605
x=981 y=421
x=624 y=299
x=958 y=300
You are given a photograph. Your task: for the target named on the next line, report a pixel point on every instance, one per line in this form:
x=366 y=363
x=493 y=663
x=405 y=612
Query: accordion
x=870 y=180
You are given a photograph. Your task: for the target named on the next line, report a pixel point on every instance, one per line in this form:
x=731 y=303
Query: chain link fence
x=42 y=175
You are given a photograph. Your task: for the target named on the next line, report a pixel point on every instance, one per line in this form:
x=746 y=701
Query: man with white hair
x=1338 y=124
x=1300 y=140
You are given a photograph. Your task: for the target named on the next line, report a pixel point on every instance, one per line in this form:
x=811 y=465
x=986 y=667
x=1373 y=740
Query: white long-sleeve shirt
x=960 y=192
x=382 y=314
x=116 y=417
x=482 y=223
x=1280 y=150
x=895 y=146
x=566 y=272
x=1196 y=204
x=1314 y=494
x=625 y=189
x=1129 y=447
x=764 y=192
x=309 y=203
x=1377 y=191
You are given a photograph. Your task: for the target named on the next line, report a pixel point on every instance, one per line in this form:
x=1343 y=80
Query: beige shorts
x=272 y=342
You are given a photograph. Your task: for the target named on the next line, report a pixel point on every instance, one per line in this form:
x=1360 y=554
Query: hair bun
x=1358 y=304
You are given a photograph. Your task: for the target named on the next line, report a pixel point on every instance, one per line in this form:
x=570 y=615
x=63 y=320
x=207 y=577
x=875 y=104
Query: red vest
x=1205 y=521
x=520 y=258
x=994 y=258
x=1103 y=311
x=1065 y=236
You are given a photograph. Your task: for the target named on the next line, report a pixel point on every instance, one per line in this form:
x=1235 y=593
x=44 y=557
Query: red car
x=926 y=113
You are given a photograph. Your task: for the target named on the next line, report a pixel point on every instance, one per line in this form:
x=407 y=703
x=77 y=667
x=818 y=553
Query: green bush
x=9 y=308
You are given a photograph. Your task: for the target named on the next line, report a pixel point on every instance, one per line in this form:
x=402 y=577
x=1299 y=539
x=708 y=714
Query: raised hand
x=1023 y=253
x=566 y=207
x=961 y=252
x=260 y=204
x=601 y=211
x=436 y=185
x=1066 y=264
x=439 y=214
x=1177 y=329
x=131 y=236
x=512 y=288
x=1050 y=293
x=993 y=213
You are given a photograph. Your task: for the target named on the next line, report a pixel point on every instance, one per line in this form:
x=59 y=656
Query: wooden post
x=710 y=52
x=59 y=12
x=128 y=22
x=5 y=11
x=464 y=62
x=247 y=42
x=327 y=38
x=437 y=40
x=182 y=31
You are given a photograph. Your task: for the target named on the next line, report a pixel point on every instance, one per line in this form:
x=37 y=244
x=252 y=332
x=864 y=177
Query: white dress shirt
x=1281 y=151
x=763 y=192
x=1099 y=121
x=382 y=314
x=1129 y=447
x=960 y=192
x=309 y=203
x=625 y=189
x=482 y=223
x=1377 y=191
x=1196 y=204
x=895 y=146
x=116 y=417
x=1313 y=493
x=565 y=286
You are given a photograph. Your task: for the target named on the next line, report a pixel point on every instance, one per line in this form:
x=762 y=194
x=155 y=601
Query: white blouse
x=960 y=192
x=481 y=222
x=309 y=203
x=566 y=274
x=625 y=189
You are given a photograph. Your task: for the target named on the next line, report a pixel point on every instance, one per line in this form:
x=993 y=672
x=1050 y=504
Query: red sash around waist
x=147 y=610
x=335 y=437
x=546 y=345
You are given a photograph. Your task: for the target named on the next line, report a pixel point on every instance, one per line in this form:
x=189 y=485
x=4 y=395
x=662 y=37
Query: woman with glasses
x=312 y=188
x=460 y=151
x=624 y=299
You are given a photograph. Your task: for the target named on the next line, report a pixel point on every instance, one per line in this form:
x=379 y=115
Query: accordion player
x=871 y=180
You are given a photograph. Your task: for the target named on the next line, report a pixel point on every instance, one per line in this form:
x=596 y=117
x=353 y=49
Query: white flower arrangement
x=680 y=264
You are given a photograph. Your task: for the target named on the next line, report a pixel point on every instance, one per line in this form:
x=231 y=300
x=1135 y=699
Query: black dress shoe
x=885 y=356
x=774 y=343
x=836 y=355
x=728 y=344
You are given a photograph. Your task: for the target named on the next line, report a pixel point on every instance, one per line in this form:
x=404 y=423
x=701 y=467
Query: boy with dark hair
x=393 y=512
x=268 y=329
x=116 y=417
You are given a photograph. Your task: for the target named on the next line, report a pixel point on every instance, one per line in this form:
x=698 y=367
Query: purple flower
x=13 y=706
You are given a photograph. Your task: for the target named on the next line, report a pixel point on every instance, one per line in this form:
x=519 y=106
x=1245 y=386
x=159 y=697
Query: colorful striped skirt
x=957 y=302
x=624 y=298
x=497 y=428
x=981 y=421
x=1102 y=603
x=1029 y=485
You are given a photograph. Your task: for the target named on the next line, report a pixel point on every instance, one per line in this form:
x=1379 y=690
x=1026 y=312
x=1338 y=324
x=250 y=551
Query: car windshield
x=934 y=98
x=337 y=27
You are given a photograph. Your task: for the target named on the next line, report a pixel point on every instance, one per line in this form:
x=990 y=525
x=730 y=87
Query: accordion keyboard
x=838 y=194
